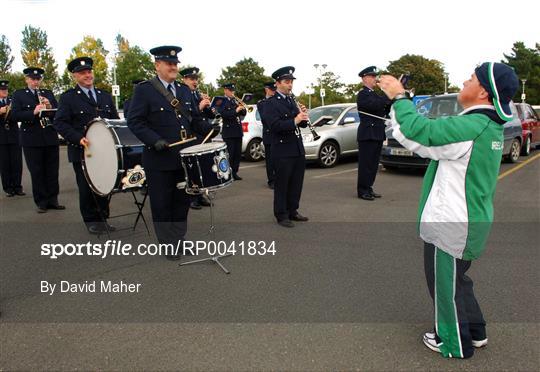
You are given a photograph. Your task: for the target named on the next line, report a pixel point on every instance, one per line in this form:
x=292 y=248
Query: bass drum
x=206 y=167
x=112 y=161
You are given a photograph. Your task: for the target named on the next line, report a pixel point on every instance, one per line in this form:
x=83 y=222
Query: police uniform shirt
x=371 y=128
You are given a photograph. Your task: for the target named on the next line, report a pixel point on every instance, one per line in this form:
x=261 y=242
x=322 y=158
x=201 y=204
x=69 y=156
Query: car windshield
x=334 y=112
x=437 y=107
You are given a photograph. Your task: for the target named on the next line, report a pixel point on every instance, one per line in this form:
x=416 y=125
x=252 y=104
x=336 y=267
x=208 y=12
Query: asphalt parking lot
x=344 y=291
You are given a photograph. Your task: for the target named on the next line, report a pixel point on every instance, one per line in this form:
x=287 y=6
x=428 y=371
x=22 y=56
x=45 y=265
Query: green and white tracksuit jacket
x=456 y=205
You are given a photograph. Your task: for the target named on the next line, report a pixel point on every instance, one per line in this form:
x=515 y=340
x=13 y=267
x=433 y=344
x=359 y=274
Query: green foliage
x=6 y=59
x=35 y=52
x=427 y=75
x=16 y=80
x=93 y=48
x=526 y=62
x=248 y=76
x=131 y=64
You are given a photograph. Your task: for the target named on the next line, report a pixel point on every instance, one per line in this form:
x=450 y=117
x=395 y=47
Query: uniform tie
x=91 y=96
x=170 y=89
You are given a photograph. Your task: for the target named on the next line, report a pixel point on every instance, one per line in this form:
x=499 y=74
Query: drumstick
x=182 y=142
x=208 y=136
x=87 y=151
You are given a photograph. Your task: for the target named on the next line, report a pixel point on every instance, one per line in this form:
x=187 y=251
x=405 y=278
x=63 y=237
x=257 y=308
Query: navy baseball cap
x=501 y=83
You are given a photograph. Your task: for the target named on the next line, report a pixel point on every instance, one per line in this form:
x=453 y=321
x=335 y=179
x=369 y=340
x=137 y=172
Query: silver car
x=338 y=135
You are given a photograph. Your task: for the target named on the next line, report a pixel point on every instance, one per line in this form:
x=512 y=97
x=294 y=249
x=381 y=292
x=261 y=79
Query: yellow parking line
x=333 y=174
x=519 y=166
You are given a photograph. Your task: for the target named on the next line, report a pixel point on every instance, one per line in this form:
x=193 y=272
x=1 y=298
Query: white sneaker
x=431 y=336
x=429 y=340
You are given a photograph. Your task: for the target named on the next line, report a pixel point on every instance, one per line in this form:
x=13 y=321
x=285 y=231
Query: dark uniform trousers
x=10 y=155
x=40 y=146
x=471 y=323
x=75 y=111
x=288 y=155
x=152 y=118
x=267 y=141
x=370 y=136
x=231 y=132
x=11 y=167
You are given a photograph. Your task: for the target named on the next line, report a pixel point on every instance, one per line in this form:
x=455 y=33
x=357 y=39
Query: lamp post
x=523 y=96
x=445 y=83
x=320 y=72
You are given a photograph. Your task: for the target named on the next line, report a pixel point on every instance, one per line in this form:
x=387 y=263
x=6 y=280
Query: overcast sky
x=345 y=35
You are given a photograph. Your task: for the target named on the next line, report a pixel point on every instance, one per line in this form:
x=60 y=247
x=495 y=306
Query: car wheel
x=526 y=149
x=515 y=150
x=328 y=155
x=254 y=151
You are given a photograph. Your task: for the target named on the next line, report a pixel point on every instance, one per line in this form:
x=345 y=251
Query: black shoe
x=299 y=217
x=41 y=210
x=366 y=197
x=237 y=177
x=271 y=185
x=94 y=229
x=10 y=194
x=20 y=193
x=173 y=257
x=286 y=223
x=375 y=195
x=204 y=202
x=56 y=206
x=195 y=205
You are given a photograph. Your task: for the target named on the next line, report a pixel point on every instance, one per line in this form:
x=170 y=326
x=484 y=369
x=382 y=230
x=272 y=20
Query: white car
x=252 y=146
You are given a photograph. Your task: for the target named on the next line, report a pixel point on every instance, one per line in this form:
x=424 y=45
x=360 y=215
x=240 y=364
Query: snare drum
x=206 y=167
x=112 y=161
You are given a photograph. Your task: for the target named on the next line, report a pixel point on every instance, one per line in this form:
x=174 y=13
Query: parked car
x=252 y=146
x=530 y=125
x=337 y=135
x=396 y=156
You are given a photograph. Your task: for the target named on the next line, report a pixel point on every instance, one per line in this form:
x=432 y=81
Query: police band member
x=269 y=91
x=370 y=135
x=285 y=119
x=77 y=107
x=10 y=148
x=39 y=141
x=127 y=102
x=232 y=133
x=157 y=123
x=200 y=107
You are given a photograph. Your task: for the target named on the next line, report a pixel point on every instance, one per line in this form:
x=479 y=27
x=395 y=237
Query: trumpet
x=44 y=121
x=6 y=115
x=308 y=122
x=243 y=104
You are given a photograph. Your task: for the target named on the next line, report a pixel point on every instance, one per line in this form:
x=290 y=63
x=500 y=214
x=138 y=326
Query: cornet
x=6 y=116
x=243 y=104
x=45 y=121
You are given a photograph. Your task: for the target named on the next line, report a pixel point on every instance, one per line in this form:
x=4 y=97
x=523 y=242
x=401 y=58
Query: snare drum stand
x=212 y=231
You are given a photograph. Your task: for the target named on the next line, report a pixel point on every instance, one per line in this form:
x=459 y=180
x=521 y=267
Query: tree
x=526 y=63
x=93 y=48
x=6 y=59
x=334 y=91
x=36 y=53
x=248 y=76
x=131 y=64
x=427 y=75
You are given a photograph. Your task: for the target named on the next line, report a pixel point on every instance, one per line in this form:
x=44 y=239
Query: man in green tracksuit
x=456 y=204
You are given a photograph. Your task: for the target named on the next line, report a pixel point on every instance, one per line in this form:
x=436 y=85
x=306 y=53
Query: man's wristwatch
x=404 y=95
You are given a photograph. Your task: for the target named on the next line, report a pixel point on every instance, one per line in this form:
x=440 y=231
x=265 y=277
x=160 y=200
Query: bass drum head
x=101 y=160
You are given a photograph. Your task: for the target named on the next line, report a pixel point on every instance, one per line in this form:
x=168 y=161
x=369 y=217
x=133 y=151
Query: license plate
x=401 y=152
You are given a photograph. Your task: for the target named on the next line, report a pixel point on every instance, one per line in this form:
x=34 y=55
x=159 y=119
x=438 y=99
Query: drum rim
x=211 y=188
x=119 y=160
x=224 y=145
